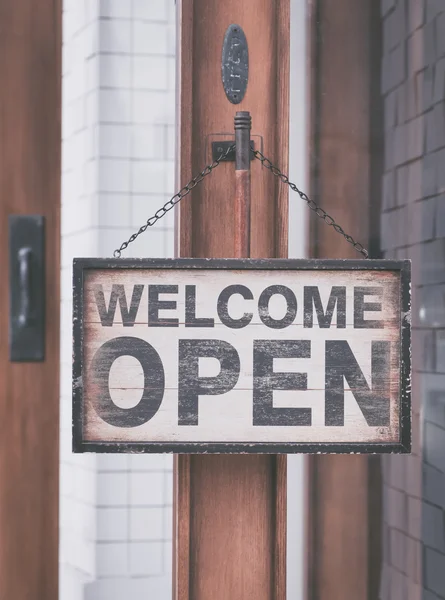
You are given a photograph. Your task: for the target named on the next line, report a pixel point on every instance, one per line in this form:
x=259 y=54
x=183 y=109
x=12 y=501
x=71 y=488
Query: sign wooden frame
x=83 y=266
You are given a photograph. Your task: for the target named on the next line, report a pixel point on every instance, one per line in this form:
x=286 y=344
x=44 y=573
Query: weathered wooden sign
x=211 y=355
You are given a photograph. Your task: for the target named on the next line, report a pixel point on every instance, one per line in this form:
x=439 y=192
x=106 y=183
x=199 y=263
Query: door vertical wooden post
x=230 y=510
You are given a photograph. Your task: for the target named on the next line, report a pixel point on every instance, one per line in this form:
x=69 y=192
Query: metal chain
x=161 y=212
x=320 y=212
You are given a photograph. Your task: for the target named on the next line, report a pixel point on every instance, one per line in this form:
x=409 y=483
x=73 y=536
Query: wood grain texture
x=344 y=179
x=204 y=112
x=206 y=230
x=30 y=75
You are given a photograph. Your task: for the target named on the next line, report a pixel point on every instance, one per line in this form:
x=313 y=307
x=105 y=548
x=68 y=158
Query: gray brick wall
x=413 y=226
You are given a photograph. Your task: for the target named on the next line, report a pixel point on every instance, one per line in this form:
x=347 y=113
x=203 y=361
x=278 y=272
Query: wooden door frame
x=357 y=210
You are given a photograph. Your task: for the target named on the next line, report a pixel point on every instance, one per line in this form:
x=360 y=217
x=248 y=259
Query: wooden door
x=30 y=78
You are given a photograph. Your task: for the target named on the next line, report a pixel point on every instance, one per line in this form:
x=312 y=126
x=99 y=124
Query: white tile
x=115 y=35
x=112 y=524
x=150 y=10
x=115 y=140
x=168 y=523
x=148 y=462
x=92 y=73
x=171 y=39
x=114 y=210
x=149 y=245
x=113 y=462
x=149 y=38
x=171 y=68
x=146 y=489
x=148 y=141
x=89 y=38
x=168 y=484
x=112 y=489
x=145 y=558
x=115 y=71
x=85 y=486
x=148 y=177
x=115 y=8
x=92 y=10
x=91 y=103
x=153 y=107
x=115 y=106
x=112 y=559
x=146 y=524
x=110 y=239
x=149 y=73
x=114 y=175
x=171 y=142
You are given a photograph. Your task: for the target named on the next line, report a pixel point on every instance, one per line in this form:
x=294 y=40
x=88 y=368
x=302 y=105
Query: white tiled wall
x=117 y=169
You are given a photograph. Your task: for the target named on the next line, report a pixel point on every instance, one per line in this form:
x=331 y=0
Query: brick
x=398 y=476
x=414 y=517
x=415 y=178
x=440 y=35
x=433 y=262
x=386 y=6
x=396 y=514
x=415 y=58
x=439 y=83
x=434 y=403
x=389 y=149
x=411 y=110
x=401 y=133
x=398 y=66
x=440 y=219
x=429 y=43
x=435 y=132
x=434 y=446
x=414 y=138
x=440 y=159
x=413 y=557
x=440 y=351
x=431 y=174
x=435 y=571
x=415 y=14
x=424 y=351
x=402 y=185
x=433 y=9
x=433 y=530
x=427 y=92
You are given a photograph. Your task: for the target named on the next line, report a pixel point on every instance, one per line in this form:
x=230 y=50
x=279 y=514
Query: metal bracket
x=219 y=148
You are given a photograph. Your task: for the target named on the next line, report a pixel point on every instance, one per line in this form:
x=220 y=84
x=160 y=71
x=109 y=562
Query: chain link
x=320 y=212
x=161 y=212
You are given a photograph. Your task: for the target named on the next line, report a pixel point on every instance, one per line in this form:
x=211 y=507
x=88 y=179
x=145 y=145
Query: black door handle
x=25 y=261
x=26 y=288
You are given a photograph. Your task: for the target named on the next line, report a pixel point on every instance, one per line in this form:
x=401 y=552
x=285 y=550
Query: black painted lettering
x=191 y=385
x=263 y=306
x=265 y=381
x=190 y=310
x=360 y=306
x=154 y=382
x=117 y=293
x=155 y=305
x=222 y=306
x=312 y=300
x=341 y=364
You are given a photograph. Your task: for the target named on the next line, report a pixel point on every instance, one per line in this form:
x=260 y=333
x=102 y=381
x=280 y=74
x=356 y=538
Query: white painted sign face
x=241 y=355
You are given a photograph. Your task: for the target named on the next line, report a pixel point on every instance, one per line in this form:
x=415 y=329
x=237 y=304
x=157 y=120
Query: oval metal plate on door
x=235 y=64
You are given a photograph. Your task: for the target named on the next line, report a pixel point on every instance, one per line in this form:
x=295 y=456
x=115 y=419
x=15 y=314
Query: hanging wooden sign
x=215 y=355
